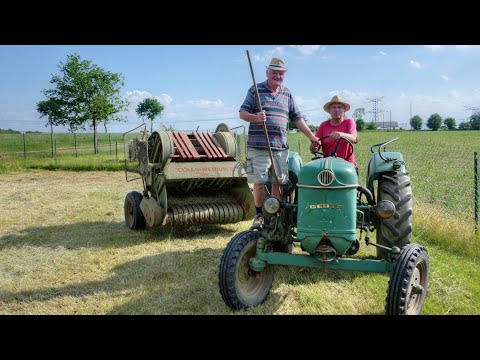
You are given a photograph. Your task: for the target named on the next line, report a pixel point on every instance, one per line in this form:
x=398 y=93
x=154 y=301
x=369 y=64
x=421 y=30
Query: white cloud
x=307 y=49
x=454 y=94
x=306 y=103
x=434 y=47
x=137 y=96
x=383 y=53
x=462 y=47
x=164 y=99
x=415 y=64
x=207 y=104
x=445 y=77
x=268 y=54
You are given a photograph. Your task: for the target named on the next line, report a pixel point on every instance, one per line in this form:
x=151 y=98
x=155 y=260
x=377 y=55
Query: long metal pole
x=265 y=132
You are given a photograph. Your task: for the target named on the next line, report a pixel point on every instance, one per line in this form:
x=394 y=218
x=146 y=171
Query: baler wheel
x=408 y=283
x=133 y=215
x=240 y=286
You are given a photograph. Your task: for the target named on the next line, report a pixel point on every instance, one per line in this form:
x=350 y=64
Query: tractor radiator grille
x=326 y=177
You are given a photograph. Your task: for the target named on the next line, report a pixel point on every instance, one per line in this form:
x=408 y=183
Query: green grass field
x=65 y=249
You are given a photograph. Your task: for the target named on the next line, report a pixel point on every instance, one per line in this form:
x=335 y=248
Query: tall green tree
x=434 y=122
x=150 y=108
x=359 y=113
x=475 y=121
x=450 y=123
x=416 y=122
x=51 y=109
x=83 y=94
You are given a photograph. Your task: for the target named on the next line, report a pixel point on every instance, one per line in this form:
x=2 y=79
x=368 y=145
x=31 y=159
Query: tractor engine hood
x=338 y=173
x=327 y=190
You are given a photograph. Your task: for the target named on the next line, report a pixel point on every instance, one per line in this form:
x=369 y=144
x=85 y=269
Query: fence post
x=24 y=147
x=51 y=137
x=116 y=150
x=75 y=143
x=475 y=185
x=55 y=147
x=110 y=142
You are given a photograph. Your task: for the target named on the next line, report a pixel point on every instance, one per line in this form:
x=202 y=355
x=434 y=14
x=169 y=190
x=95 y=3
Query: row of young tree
x=85 y=94
x=435 y=122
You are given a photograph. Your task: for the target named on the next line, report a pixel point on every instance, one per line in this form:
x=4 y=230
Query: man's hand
x=315 y=146
x=261 y=117
x=336 y=135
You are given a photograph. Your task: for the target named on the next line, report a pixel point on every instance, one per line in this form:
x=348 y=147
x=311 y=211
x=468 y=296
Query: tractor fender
x=384 y=163
x=295 y=164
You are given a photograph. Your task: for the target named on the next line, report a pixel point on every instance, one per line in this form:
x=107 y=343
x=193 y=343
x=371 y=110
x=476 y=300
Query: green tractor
x=321 y=208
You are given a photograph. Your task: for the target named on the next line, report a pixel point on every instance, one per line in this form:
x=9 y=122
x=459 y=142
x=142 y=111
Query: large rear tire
x=134 y=218
x=408 y=283
x=396 y=231
x=240 y=286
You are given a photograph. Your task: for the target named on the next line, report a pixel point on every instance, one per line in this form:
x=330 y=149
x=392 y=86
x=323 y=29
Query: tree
x=464 y=126
x=358 y=113
x=150 y=109
x=360 y=124
x=416 y=122
x=83 y=93
x=434 y=122
x=475 y=121
x=372 y=125
x=450 y=123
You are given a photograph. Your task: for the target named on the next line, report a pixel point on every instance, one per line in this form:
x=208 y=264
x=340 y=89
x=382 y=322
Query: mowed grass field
x=65 y=249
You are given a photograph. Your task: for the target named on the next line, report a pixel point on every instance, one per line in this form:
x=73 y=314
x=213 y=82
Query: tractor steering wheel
x=334 y=152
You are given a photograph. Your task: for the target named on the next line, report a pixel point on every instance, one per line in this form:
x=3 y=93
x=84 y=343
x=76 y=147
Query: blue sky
x=203 y=85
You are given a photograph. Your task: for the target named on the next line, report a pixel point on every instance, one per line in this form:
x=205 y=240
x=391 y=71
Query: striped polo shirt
x=280 y=109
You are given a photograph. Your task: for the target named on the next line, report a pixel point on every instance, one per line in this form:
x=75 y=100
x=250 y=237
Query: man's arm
x=302 y=125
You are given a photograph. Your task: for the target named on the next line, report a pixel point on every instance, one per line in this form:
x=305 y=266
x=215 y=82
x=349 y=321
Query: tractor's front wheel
x=397 y=230
x=134 y=218
x=240 y=286
x=408 y=283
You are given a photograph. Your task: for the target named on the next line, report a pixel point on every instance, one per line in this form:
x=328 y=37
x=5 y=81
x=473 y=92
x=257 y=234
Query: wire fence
x=40 y=146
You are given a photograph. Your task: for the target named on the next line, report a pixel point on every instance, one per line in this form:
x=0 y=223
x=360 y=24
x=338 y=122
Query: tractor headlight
x=384 y=209
x=271 y=205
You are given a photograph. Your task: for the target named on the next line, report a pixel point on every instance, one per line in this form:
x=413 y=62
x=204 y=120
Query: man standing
x=278 y=108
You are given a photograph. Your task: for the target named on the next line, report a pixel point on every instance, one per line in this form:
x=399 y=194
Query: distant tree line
x=435 y=122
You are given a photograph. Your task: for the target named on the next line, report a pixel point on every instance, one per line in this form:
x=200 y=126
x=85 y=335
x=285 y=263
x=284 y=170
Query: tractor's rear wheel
x=408 y=283
x=240 y=286
x=396 y=231
x=133 y=215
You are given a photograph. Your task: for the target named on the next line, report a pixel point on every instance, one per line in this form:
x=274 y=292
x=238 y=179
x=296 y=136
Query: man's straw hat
x=277 y=64
x=336 y=100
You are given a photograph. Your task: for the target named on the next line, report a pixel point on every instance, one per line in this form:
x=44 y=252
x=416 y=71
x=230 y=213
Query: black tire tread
x=228 y=262
x=139 y=221
x=410 y=255
x=396 y=231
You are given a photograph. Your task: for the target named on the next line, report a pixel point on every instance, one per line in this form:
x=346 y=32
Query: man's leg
x=258 y=194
